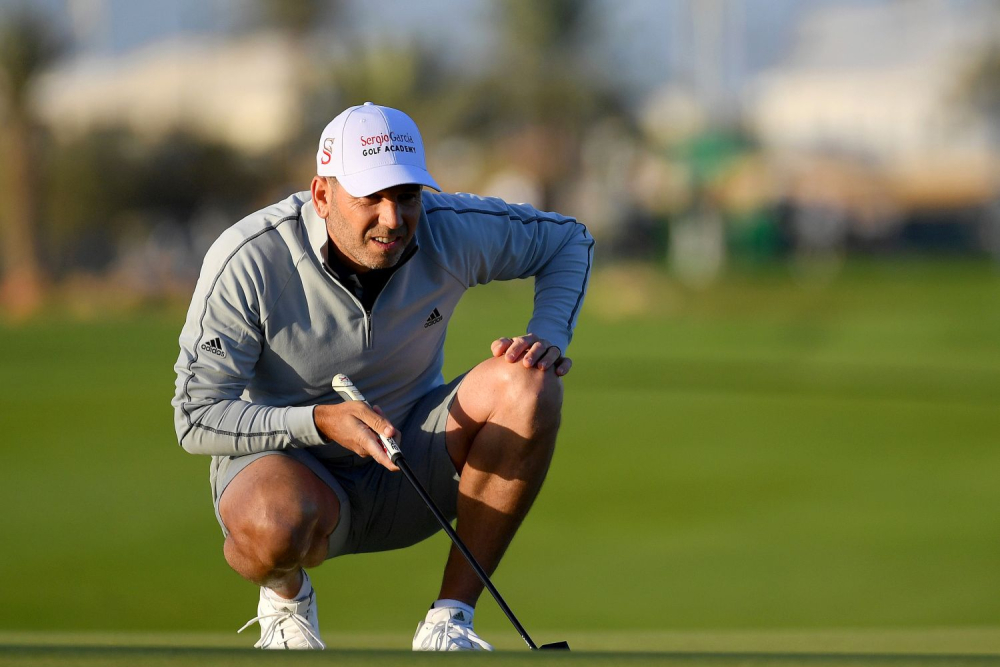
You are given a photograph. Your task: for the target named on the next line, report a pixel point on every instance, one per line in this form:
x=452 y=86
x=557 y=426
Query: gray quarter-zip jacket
x=269 y=327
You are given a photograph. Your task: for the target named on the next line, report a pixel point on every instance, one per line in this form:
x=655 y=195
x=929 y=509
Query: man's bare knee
x=275 y=537
x=278 y=516
x=526 y=402
x=533 y=394
x=505 y=397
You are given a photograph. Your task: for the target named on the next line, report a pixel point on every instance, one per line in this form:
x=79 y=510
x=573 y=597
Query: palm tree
x=979 y=84
x=548 y=106
x=27 y=46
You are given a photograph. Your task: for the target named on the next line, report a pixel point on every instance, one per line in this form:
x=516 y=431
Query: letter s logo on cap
x=327 y=151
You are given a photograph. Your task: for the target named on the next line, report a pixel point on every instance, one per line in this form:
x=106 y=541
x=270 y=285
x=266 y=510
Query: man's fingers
x=373 y=447
x=563 y=366
x=550 y=358
x=382 y=458
x=389 y=430
x=375 y=419
x=373 y=443
x=534 y=354
x=520 y=346
x=371 y=421
x=353 y=425
x=499 y=346
x=366 y=439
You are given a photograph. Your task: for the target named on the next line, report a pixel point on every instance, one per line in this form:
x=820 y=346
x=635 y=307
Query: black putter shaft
x=480 y=572
x=343 y=385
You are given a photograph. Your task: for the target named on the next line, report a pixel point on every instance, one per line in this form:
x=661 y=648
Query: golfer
x=360 y=275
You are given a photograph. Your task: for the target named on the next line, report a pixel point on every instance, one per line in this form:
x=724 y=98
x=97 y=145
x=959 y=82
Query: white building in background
x=244 y=92
x=881 y=81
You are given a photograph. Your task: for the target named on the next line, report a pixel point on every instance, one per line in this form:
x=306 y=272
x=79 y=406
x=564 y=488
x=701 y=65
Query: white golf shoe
x=448 y=629
x=287 y=624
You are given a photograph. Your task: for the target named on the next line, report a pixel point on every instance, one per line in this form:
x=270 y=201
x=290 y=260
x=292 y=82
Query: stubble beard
x=358 y=250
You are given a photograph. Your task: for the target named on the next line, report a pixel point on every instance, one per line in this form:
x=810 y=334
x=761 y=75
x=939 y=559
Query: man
x=360 y=276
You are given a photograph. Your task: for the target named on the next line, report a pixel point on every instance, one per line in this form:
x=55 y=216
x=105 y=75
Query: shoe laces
x=280 y=617
x=439 y=636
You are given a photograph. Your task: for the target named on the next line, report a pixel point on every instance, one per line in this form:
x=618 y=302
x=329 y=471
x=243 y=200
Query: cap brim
x=372 y=180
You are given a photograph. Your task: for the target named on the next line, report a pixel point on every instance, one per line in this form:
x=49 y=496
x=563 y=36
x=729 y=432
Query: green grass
x=705 y=649
x=759 y=456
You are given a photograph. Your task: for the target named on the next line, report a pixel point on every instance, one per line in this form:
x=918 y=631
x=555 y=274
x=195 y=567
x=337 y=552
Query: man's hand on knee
x=532 y=351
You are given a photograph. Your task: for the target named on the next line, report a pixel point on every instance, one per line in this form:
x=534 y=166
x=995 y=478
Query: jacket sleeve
x=508 y=241
x=219 y=347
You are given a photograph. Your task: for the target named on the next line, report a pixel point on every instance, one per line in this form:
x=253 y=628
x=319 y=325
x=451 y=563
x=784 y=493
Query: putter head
x=558 y=646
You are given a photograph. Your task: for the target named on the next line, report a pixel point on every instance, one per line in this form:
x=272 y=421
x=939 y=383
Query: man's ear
x=322 y=196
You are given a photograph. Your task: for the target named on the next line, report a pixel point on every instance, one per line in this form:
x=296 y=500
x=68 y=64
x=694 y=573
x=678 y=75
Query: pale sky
x=640 y=43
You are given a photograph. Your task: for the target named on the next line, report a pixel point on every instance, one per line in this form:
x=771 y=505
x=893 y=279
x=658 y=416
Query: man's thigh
x=386 y=512
x=379 y=510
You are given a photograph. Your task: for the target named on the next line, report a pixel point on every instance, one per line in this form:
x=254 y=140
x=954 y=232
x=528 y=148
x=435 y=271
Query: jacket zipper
x=364 y=313
x=369 y=320
x=367 y=314
x=368 y=328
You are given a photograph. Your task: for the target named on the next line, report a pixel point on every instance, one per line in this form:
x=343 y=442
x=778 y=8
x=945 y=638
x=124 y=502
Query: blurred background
x=697 y=135
x=784 y=409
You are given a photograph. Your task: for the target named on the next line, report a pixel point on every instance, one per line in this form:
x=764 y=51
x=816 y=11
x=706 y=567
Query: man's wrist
x=301 y=425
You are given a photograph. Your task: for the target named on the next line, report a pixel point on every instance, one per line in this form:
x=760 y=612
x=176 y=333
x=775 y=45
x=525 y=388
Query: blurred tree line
x=68 y=203
x=540 y=109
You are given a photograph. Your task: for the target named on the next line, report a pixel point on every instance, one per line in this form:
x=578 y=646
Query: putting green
x=760 y=455
x=701 y=649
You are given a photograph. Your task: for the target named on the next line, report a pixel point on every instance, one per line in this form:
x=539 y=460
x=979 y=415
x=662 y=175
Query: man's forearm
x=236 y=428
x=560 y=288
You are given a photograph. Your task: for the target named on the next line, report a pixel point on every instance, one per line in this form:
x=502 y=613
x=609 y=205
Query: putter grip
x=343 y=386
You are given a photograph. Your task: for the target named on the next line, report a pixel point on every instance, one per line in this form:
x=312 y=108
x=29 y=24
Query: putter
x=343 y=386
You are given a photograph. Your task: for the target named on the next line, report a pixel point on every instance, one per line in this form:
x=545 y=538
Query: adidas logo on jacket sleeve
x=214 y=346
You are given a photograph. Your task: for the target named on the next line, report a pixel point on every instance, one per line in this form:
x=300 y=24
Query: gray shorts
x=379 y=510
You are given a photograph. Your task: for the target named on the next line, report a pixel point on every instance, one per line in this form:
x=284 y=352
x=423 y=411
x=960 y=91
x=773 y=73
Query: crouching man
x=359 y=275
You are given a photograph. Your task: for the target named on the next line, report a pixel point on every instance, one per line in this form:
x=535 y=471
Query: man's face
x=368 y=232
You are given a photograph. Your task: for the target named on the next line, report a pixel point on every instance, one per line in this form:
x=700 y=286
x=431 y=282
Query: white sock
x=303 y=593
x=456 y=604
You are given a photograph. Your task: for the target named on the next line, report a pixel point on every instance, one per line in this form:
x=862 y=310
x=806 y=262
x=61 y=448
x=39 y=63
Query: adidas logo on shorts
x=433 y=318
x=215 y=347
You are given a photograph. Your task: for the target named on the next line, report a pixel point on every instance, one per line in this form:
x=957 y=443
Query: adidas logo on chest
x=433 y=318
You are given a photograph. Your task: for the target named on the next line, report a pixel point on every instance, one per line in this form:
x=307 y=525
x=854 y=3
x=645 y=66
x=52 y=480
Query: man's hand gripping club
x=357 y=426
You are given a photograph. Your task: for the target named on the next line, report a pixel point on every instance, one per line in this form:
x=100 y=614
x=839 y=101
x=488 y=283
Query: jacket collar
x=315 y=229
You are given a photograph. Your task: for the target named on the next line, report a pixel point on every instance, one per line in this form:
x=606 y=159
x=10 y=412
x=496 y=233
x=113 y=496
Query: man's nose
x=389 y=214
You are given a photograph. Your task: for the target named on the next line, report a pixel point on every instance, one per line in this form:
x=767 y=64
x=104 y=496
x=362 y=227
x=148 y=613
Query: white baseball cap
x=370 y=148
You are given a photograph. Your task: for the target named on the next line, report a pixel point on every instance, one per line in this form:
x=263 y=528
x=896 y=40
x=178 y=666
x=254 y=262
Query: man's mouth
x=387 y=242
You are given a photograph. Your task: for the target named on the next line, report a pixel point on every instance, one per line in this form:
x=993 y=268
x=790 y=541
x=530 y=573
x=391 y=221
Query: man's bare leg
x=501 y=434
x=280 y=516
